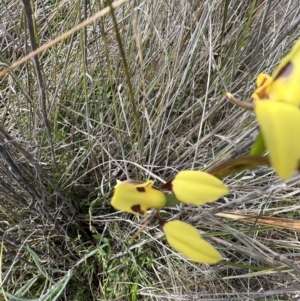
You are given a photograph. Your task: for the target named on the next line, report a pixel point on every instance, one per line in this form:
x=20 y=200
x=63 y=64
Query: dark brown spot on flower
x=141 y=189
x=263 y=96
x=137 y=209
x=168 y=186
x=286 y=71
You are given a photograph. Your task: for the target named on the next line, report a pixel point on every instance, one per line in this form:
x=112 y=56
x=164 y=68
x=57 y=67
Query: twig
x=239 y=103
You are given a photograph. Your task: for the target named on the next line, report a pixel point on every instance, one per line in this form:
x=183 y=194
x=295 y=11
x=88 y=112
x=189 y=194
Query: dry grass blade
x=39 y=77
x=264 y=220
x=61 y=37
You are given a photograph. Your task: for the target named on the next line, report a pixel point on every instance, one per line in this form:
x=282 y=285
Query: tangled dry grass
x=97 y=107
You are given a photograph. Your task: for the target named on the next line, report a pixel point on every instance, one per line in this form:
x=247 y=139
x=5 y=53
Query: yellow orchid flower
x=279 y=123
x=197 y=187
x=186 y=240
x=284 y=84
x=135 y=197
x=276 y=108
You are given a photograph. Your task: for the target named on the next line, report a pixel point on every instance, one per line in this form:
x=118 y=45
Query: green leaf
x=171 y=200
x=258 y=147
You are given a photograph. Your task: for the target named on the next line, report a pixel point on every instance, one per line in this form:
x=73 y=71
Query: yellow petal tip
x=186 y=240
x=197 y=187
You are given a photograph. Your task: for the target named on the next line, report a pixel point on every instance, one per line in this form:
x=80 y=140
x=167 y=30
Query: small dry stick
x=146 y=223
x=239 y=103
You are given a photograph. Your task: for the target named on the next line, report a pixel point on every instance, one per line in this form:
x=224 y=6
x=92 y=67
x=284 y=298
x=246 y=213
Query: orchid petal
x=197 y=187
x=186 y=240
x=280 y=123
